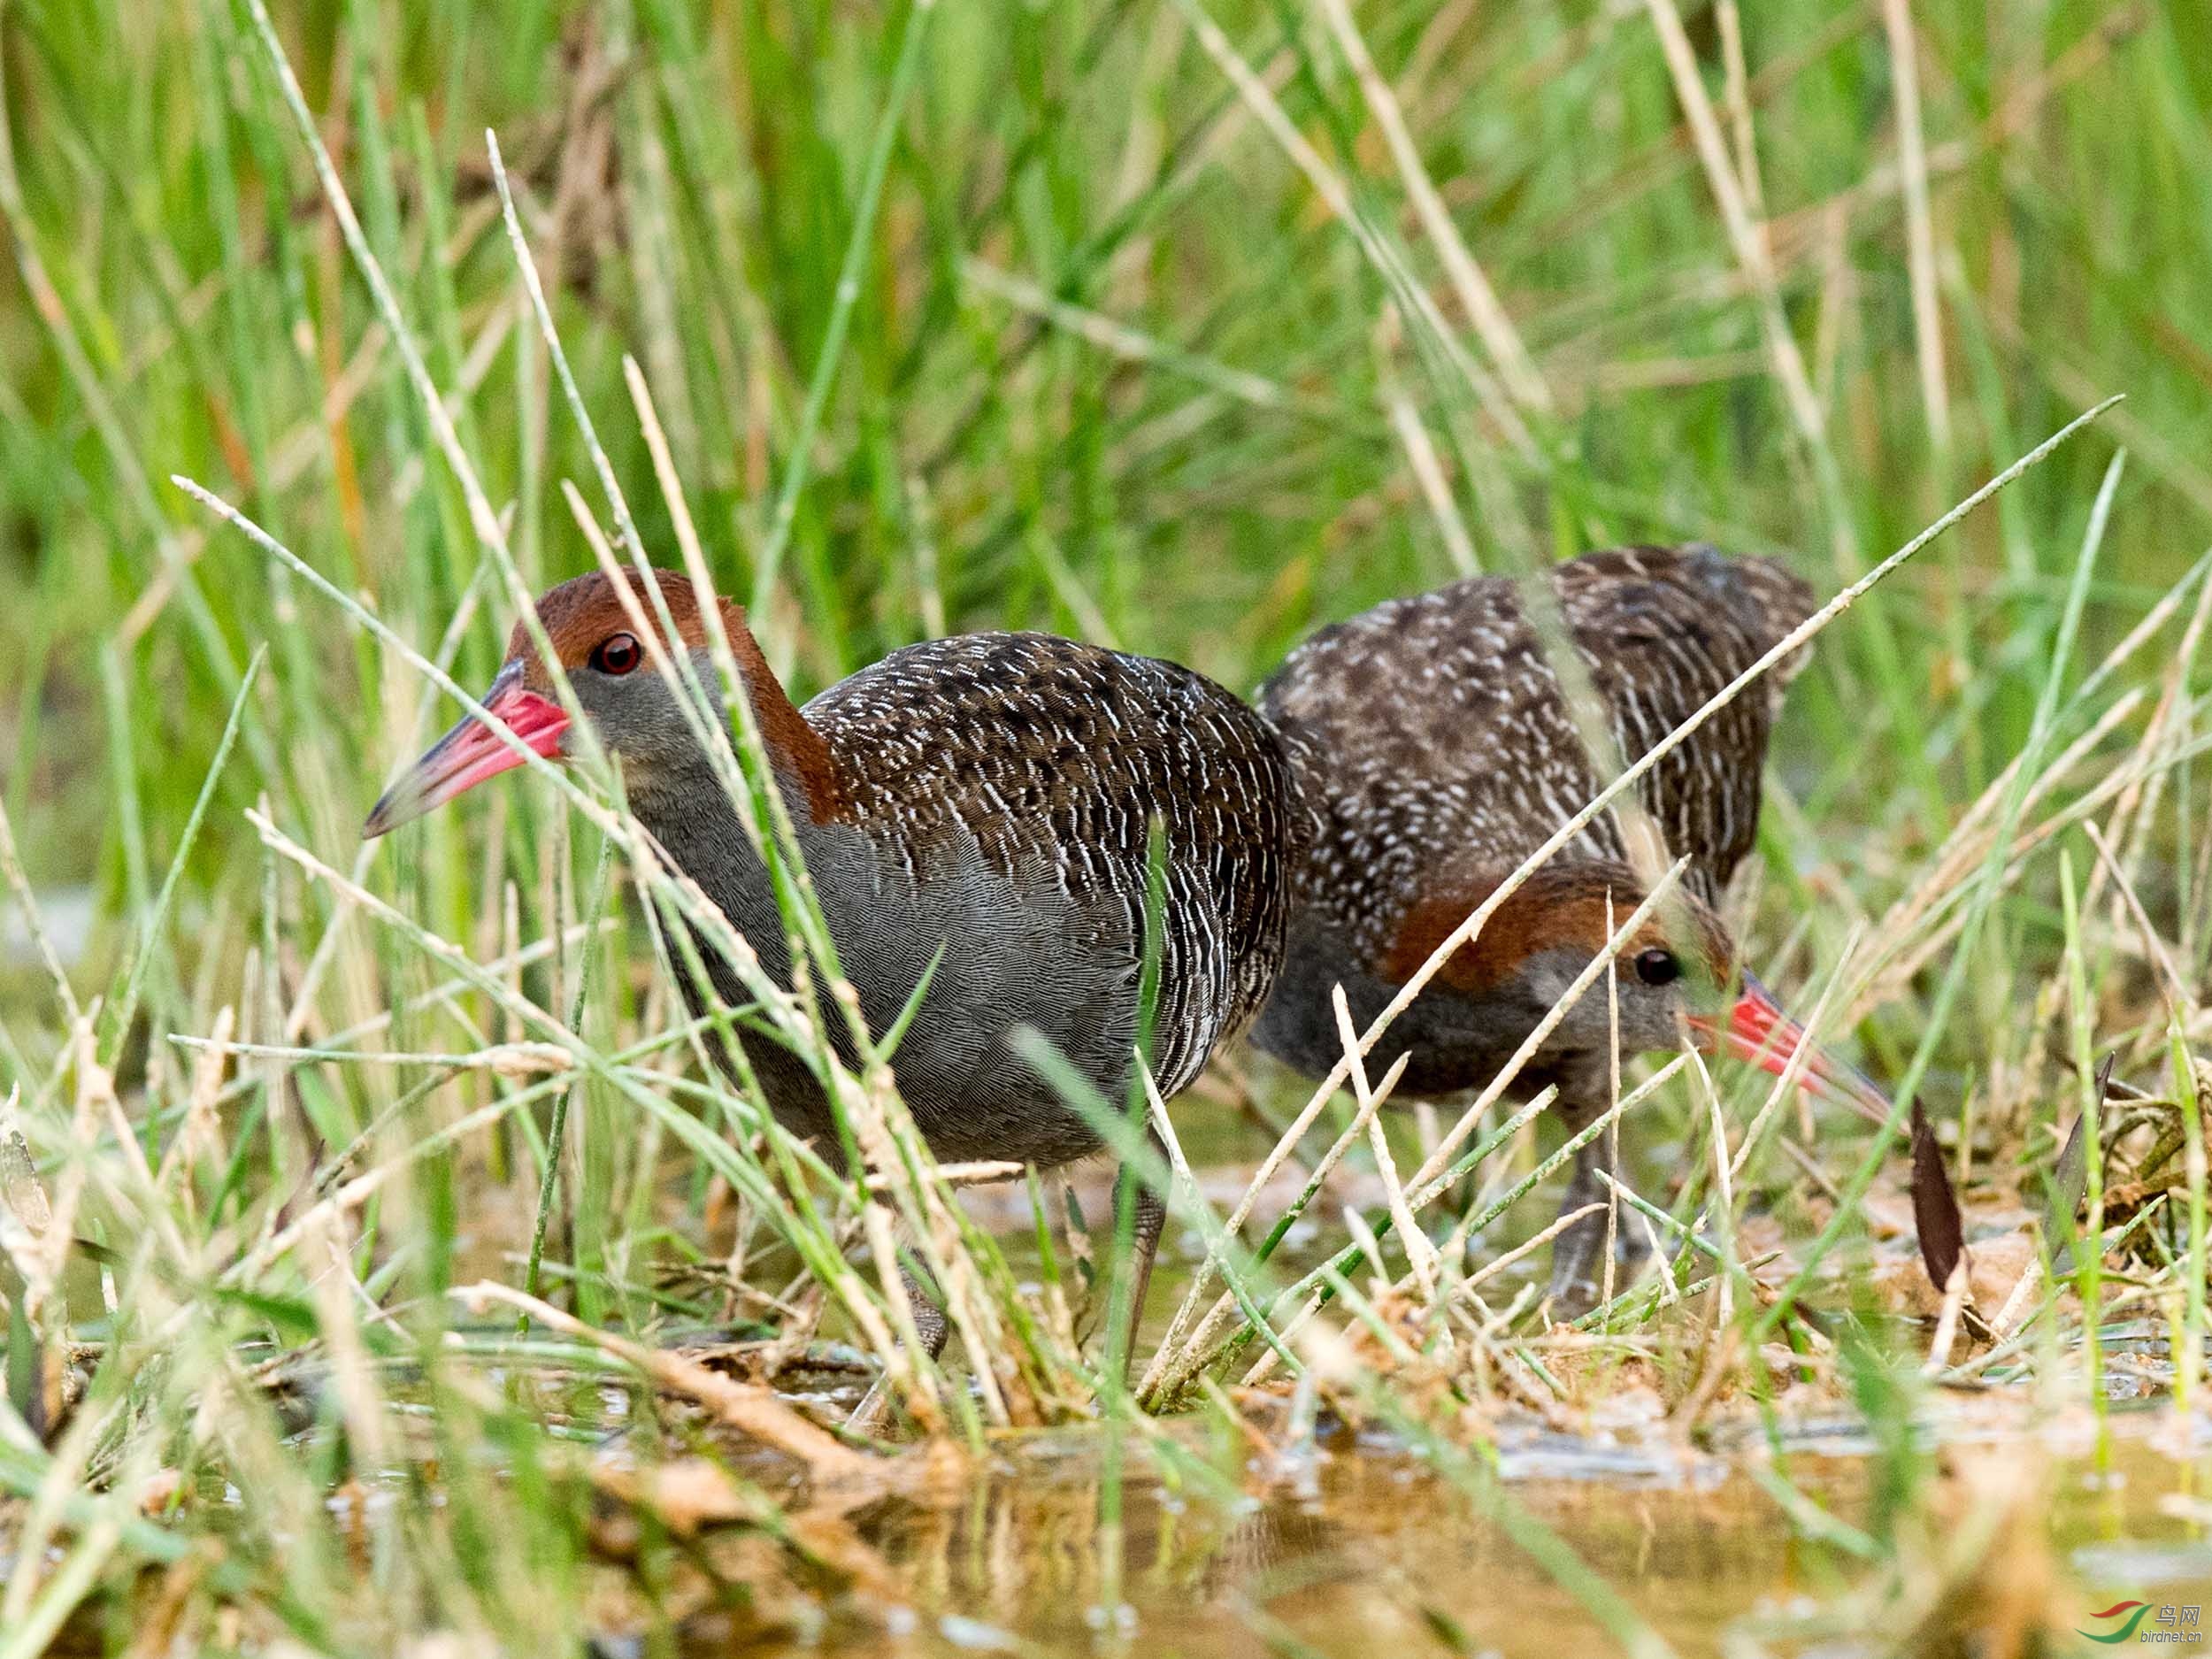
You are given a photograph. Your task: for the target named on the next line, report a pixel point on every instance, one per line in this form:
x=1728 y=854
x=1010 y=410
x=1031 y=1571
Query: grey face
x=637 y=714
x=1652 y=990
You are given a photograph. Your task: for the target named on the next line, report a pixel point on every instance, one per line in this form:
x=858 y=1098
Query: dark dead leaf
x=1935 y=1207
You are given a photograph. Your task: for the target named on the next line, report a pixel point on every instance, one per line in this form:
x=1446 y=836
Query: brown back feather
x=1431 y=733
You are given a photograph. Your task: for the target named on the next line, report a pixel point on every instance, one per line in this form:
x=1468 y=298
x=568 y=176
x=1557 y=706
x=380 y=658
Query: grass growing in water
x=1181 y=328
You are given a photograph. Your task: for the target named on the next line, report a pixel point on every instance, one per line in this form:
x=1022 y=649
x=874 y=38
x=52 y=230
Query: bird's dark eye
x=1657 y=967
x=617 y=654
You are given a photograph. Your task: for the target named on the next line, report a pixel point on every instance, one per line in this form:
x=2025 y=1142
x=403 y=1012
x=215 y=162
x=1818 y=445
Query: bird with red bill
x=1439 y=746
x=976 y=816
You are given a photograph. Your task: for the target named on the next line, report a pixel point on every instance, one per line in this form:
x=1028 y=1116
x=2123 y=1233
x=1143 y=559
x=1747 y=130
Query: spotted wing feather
x=1434 y=728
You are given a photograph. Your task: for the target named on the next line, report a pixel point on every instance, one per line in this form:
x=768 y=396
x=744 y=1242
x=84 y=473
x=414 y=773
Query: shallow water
x=1364 y=1551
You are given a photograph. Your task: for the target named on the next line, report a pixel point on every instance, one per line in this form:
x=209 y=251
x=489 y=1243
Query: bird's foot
x=1578 y=1263
x=872 y=1416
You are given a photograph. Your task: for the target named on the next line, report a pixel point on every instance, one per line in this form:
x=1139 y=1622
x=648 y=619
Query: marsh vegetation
x=386 y=1271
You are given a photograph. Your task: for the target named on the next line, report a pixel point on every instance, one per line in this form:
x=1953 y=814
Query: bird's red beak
x=469 y=753
x=1759 y=1030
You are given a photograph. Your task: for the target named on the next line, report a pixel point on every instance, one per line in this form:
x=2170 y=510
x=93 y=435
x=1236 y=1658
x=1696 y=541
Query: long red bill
x=1758 y=1031
x=472 y=752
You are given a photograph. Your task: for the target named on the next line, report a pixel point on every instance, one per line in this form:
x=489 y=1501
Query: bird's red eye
x=1657 y=967
x=617 y=654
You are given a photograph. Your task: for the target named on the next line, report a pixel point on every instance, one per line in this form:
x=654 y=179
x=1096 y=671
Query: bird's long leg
x=873 y=1415
x=1144 y=1248
x=1577 y=1254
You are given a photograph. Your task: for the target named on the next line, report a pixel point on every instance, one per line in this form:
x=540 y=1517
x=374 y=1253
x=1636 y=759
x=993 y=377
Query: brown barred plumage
x=1438 y=748
x=1435 y=727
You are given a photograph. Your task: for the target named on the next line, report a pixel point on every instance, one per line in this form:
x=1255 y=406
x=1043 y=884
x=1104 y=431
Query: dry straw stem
x=1725 y=1212
x=2180 y=1003
x=1427 y=1188
x=1919 y=235
x=1480 y=1216
x=171 y=553
x=1968 y=843
x=1477 y=297
x=2168 y=723
x=1652 y=1218
x=447 y=992
x=1462 y=1290
x=1135 y=1148
x=689 y=899
x=1430 y=1178
x=1316 y=1178
x=34 y=923
x=505 y=1059
x=1491 y=1269
x=198 y=1143
x=1419 y=1252
x=748 y=1407
x=418 y=729
x=628 y=1084
x=1279 y=1154
x=26 y=1220
x=1334 y=195
x=1956 y=1294
x=330 y=1278
x=1952 y=899
x=1744 y=231
x=901 y=1343
x=695 y=561
x=1935 y=895
x=508 y=999
x=492 y=533
x=1736 y=93
x=1799 y=234
x=1428 y=467
x=1981 y=896
x=670 y=659
x=901 y=1157
x=486 y=523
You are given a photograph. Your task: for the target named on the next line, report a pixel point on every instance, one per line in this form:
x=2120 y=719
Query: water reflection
x=1381 y=1556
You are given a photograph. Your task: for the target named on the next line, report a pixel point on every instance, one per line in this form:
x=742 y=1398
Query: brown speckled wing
x=1432 y=731
x=1053 y=757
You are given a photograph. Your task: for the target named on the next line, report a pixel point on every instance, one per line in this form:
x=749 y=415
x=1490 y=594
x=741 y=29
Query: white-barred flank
x=1054 y=756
